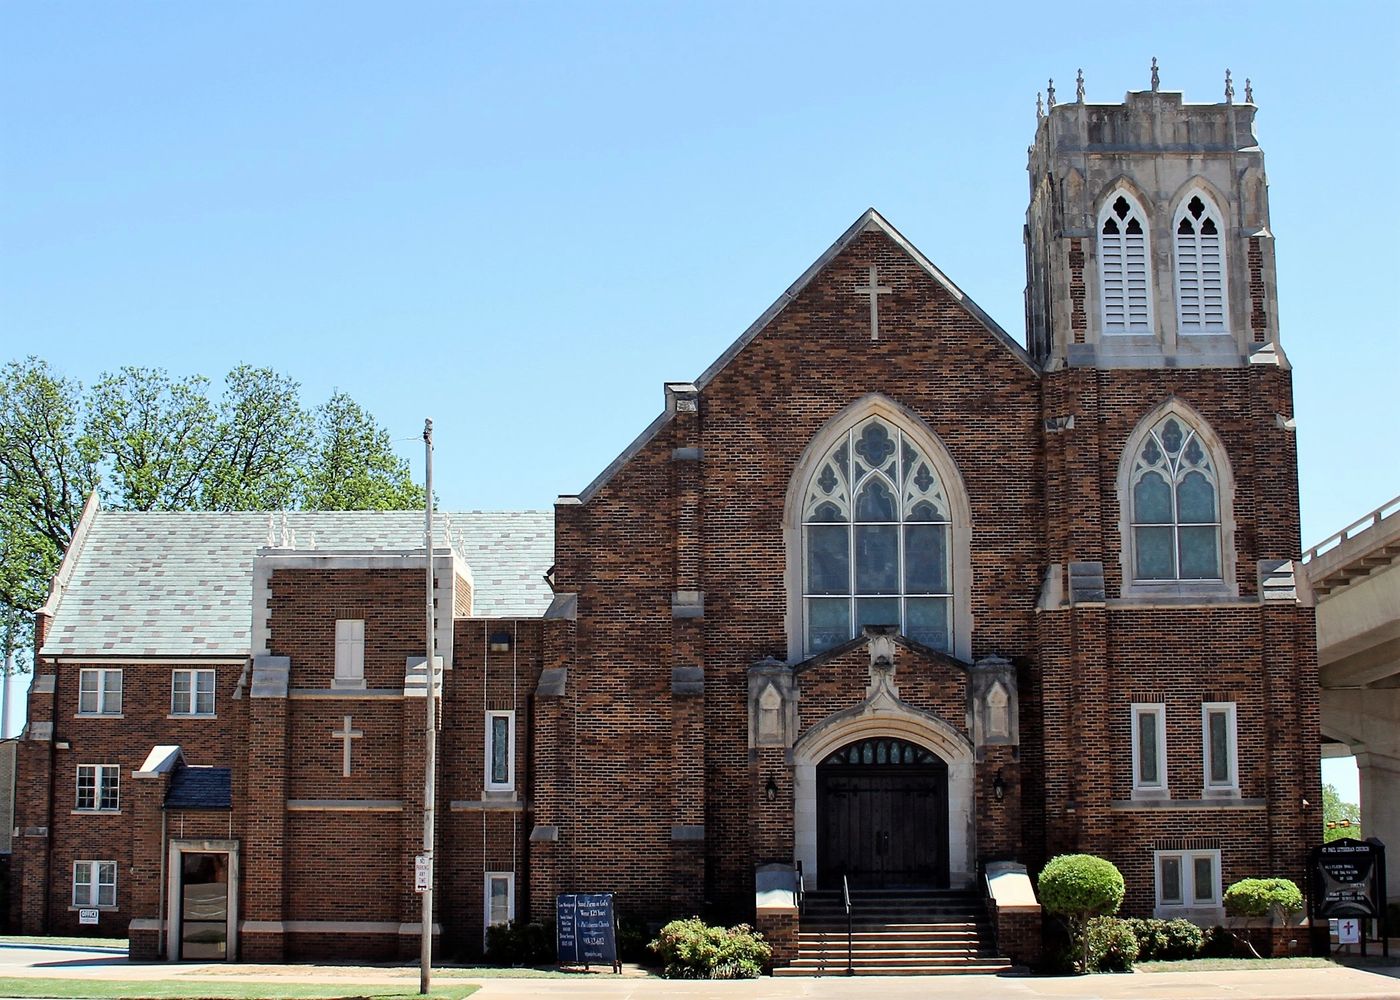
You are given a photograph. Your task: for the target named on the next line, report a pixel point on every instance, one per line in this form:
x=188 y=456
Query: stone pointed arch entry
x=882 y=815
x=919 y=728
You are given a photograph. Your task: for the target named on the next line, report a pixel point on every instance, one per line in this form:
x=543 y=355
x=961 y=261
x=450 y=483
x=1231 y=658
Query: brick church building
x=880 y=596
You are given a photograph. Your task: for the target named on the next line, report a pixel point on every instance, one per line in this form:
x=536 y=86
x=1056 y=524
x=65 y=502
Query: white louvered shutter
x=1200 y=271
x=1124 y=279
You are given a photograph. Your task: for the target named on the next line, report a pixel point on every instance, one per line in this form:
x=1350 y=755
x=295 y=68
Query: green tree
x=157 y=439
x=264 y=439
x=353 y=465
x=44 y=480
x=1078 y=888
x=1335 y=812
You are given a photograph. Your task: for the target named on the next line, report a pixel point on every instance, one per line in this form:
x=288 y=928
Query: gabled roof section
x=869 y=221
x=194 y=787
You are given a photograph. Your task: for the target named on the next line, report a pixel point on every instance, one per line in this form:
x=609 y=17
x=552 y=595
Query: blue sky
x=521 y=219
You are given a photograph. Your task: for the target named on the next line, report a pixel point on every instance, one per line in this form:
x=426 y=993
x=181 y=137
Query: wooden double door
x=882 y=807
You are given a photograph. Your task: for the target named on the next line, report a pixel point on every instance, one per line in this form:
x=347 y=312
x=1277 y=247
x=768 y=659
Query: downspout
x=162 y=949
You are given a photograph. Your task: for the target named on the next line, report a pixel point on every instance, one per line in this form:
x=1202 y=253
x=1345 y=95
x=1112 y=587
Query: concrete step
x=988 y=967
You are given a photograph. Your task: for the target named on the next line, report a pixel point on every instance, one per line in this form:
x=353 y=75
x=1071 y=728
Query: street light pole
x=425 y=973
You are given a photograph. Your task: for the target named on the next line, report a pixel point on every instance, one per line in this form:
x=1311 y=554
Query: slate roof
x=200 y=788
x=180 y=584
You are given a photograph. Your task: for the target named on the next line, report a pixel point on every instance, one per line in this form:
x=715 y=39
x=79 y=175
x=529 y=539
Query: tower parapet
x=1147 y=235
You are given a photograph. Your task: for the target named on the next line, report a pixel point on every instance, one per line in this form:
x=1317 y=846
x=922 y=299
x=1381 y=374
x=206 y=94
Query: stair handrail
x=846 y=898
x=801 y=889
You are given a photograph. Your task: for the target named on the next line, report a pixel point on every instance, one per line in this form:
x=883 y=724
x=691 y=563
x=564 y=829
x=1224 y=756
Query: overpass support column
x=1380 y=810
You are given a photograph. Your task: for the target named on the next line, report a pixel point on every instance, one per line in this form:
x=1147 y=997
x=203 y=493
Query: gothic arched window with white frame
x=1125 y=279
x=1175 y=495
x=876 y=530
x=1200 y=266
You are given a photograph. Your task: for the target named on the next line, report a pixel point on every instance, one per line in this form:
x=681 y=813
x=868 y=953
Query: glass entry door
x=203 y=906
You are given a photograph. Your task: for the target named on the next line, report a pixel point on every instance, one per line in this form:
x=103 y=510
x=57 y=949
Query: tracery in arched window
x=1124 y=281
x=1175 y=494
x=876 y=527
x=1200 y=268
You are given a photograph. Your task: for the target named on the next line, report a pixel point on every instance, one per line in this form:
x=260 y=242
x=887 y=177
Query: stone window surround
x=1231 y=788
x=960 y=547
x=94 y=886
x=102 y=707
x=192 y=712
x=487 y=879
x=1187 y=907
x=509 y=784
x=1161 y=788
x=1226 y=588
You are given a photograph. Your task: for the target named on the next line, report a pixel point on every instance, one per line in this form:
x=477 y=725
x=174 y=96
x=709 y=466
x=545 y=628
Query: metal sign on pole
x=425 y=860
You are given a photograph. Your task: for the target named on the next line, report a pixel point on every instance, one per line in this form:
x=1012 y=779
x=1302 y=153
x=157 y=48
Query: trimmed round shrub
x=1279 y=898
x=1079 y=887
x=1113 y=947
x=692 y=949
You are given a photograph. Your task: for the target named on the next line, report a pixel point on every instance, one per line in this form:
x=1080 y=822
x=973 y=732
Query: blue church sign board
x=586 y=929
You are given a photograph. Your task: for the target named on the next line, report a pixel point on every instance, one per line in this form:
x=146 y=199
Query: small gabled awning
x=200 y=788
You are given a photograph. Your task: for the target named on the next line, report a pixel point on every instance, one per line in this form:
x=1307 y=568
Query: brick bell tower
x=1171 y=633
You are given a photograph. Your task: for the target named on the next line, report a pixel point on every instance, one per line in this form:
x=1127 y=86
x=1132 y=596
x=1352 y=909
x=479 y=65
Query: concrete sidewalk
x=1338 y=983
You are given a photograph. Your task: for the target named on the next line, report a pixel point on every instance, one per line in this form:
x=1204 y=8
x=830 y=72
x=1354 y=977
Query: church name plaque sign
x=586 y=929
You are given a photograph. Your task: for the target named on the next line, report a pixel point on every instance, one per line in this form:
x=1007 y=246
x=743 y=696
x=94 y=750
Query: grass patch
x=37 y=941
x=1235 y=964
x=196 y=990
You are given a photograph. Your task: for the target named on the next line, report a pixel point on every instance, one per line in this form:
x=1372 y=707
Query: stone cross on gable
x=345 y=736
x=874 y=289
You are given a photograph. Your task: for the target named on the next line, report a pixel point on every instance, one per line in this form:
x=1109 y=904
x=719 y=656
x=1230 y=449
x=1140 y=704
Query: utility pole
x=425 y=973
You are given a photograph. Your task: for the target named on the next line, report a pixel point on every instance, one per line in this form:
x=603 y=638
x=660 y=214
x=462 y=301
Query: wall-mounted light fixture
x=999 y=786
x=770 y=790
x=500 y=642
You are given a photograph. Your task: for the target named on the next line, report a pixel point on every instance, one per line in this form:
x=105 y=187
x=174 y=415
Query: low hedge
x=1112 y=945
x=1166 y=940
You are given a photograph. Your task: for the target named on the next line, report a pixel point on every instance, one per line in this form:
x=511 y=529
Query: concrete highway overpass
x=1355 y=578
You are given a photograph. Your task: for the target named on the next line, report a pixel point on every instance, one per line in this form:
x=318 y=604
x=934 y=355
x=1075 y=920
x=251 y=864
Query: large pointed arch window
x=1125 y=285
x=1200 y=267
x=1175 y=491
x=876 y=539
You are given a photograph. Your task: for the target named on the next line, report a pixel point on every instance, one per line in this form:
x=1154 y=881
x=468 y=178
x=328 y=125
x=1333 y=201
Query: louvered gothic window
x=1123 y=268
x=1200 y=267
x=1175 y=506
x=876 y=527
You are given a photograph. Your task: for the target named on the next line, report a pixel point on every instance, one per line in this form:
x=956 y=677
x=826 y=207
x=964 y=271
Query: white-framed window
x=1174 y=494
x=1219 y=756
x=499 y=898
x=192 y=692
x=100 y=691
x=98 y=788
x=500 y=751
x=1200 y=267
x=1149 y=748
x=350 y=652
x=1187 y=879
x=876 y=541
x=1125 y=278
x=94 y=883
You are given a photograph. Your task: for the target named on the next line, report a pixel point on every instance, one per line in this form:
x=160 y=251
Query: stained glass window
x=1175 y=506
x=876 y=540
x=882 y=751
